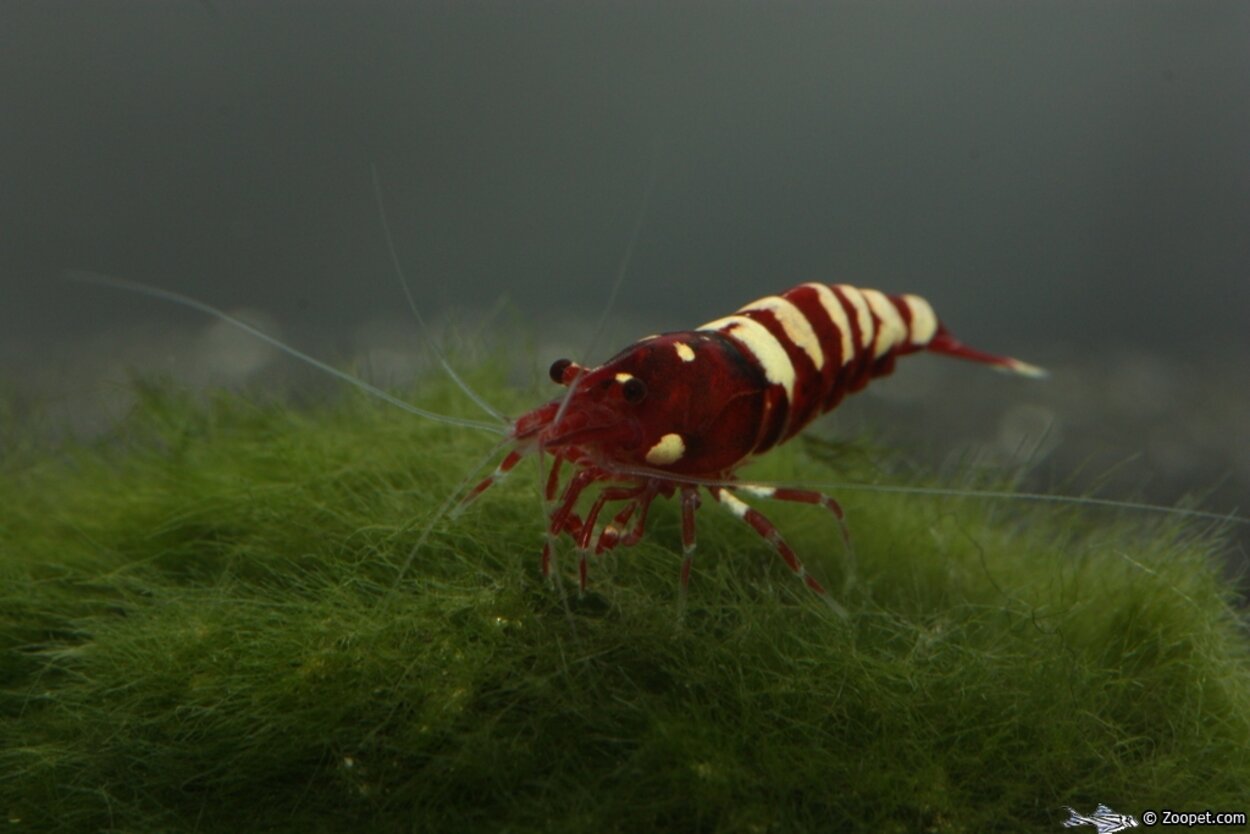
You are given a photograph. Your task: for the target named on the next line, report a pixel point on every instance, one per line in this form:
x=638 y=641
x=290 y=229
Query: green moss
x=200 y=629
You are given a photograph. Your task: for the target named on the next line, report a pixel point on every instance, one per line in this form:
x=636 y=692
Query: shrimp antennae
x=1041 y=497
x=412 y=304
x=444 y=509
x=86 y=277
x=951 y=492
x=622 y=269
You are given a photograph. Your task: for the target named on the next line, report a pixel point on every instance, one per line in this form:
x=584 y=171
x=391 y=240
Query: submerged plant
x=201 y=628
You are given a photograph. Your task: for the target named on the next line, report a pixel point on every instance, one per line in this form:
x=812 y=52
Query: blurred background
x=1066 y=182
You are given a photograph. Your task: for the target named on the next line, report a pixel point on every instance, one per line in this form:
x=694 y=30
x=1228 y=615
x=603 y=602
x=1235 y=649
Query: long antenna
x=444 y=509
x=412 y=304
x=85 y=277
x=622 y=269
x=949 y=492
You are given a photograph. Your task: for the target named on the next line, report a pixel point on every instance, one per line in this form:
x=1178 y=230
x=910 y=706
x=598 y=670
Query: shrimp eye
x=634 y=390
x=558 y=368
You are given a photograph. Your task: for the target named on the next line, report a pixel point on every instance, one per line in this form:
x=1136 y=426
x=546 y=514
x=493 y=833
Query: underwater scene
x=343 y=489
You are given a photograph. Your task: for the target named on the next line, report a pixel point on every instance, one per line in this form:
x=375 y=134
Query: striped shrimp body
x=678 y=411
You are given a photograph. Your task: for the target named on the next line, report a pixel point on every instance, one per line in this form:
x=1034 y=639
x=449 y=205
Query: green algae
x=203 y=628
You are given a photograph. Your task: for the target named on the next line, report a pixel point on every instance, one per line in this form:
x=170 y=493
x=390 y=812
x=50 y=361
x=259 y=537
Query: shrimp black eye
x=634 y=390
x=558 y=368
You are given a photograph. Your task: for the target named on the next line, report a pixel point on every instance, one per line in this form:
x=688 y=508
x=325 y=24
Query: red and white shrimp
x=679 y=411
